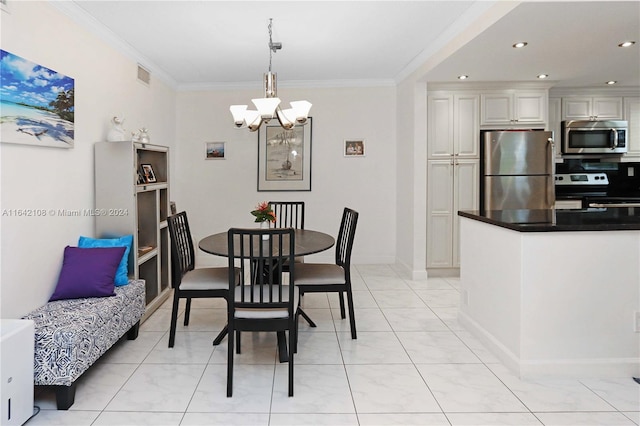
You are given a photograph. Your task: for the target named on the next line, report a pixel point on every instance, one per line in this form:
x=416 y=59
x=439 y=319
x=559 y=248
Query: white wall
x=105 y=85
x=218 y=194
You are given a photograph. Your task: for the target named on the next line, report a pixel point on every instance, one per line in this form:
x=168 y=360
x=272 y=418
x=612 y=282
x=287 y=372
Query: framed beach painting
x=214 y=150
x=36 y=104
x=284 y=157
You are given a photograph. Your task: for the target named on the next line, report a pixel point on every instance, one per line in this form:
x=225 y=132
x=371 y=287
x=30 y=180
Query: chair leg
x=230 y=349
x=352 y=316
x=187 y=312
x=342 y=312
x=292 y=339
x=237 y=341
x=174 y=318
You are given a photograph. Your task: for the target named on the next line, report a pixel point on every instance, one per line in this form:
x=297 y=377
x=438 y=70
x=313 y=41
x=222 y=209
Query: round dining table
x=306 y=242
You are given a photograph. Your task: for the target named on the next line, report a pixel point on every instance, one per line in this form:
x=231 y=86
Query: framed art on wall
x=354 y=148
x=284 y=157
x=214 y=150
x=37 y=104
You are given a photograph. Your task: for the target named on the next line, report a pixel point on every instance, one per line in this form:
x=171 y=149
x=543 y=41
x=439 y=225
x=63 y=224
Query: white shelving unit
x=124 y=206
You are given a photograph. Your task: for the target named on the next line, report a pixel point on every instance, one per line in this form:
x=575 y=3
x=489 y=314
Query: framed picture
x=284 y=157
x=214 y=150
x=149 y=175
x=354 y=148
x=37 y=106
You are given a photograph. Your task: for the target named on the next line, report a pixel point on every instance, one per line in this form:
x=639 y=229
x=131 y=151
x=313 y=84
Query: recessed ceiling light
x=541 y=76
x=520 y=44
x=611 y=82
x=463 y=77
x=627 y=43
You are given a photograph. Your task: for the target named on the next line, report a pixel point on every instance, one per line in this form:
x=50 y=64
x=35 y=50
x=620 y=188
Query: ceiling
x=216 y=43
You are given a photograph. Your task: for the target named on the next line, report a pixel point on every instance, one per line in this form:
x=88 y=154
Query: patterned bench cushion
x=70 y=335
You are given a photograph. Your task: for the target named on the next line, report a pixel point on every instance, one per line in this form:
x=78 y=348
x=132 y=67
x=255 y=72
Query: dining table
x=307 y=242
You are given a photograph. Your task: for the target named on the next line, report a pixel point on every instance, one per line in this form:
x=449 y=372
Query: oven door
x=604 y=202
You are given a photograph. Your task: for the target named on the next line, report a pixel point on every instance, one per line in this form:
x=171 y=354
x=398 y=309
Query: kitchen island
x=554 y=293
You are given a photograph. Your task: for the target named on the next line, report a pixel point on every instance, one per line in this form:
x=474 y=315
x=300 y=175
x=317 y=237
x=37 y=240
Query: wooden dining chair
x=187 y=281
x=289 y=214
x=332 y=277
x=262 y=301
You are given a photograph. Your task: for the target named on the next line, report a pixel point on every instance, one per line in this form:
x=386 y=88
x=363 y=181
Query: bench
x=70 y=335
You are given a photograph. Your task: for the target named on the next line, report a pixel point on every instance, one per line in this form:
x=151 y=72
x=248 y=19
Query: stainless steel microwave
x=594 y=137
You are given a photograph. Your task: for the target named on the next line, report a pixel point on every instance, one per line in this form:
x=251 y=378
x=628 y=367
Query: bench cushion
x=70 y=335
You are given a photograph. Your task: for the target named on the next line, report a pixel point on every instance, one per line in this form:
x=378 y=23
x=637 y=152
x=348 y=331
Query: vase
x=116 y=133
x=264 y=225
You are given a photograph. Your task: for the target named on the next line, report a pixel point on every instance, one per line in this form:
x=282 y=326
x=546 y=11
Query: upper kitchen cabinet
x=632 y=115
x=454 y=125
x=514 y=108
x=592 y=108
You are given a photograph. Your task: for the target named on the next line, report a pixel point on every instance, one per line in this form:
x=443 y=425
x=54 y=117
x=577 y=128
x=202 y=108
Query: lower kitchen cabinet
x=452 y=185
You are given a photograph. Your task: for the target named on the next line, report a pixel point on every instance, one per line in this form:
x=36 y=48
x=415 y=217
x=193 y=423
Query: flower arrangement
x=263 y=213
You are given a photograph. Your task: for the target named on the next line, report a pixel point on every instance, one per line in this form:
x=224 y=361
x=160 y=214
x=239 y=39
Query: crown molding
x=290 y=84
x=563 y=92
x=95 y=27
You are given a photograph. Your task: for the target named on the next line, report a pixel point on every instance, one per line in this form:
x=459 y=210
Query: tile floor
x=412 y=364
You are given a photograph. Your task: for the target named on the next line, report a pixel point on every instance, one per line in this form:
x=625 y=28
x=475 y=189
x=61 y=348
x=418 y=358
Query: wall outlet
x=636 y=322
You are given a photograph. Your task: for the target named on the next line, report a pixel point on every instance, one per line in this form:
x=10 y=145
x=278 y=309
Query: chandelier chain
x=271 y=48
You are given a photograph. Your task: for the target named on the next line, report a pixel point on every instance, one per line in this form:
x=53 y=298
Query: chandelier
x=269 y=106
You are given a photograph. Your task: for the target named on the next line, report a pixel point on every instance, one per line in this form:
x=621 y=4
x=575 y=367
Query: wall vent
x=144 y=75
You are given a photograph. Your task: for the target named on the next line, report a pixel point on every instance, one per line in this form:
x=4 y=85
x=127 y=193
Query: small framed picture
x=214 y=150
x=354 y=148
x=149 y=175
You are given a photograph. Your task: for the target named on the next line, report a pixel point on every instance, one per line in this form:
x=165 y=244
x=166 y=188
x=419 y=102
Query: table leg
x=221 y=336
x=307 y=318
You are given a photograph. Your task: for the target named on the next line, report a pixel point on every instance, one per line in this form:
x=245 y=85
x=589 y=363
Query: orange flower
x=264 y=213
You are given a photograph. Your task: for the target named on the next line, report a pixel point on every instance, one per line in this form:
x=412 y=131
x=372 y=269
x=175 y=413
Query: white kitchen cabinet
x=453 y=126
x=592 y=108
x=632 y=115
x=127 y=205
x=452 y=185
x=514 y=108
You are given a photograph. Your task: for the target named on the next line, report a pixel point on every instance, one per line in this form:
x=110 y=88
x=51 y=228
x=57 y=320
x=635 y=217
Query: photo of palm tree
x=36 y=104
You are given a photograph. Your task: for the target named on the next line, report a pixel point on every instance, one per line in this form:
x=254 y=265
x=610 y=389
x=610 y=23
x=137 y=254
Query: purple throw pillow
x=87 y=272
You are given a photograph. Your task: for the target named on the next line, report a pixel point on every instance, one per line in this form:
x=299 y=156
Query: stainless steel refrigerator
x=517 y=170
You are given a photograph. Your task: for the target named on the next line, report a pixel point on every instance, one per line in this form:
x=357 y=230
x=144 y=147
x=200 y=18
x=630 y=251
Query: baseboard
x=551 y=368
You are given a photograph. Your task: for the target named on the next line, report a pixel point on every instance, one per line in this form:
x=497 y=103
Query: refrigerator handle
x=551 y=185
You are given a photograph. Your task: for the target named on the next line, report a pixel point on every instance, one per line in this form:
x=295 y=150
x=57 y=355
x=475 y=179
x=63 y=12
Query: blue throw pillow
x=122 y=275
x=87 y=272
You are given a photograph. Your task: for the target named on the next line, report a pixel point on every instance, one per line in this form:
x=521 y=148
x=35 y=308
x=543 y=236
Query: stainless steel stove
x=592 y=189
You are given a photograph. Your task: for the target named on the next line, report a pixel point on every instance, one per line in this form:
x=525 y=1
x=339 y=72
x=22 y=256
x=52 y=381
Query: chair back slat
x=289 y=214
x=261 y=266
x=182 y=254
x=346 y=235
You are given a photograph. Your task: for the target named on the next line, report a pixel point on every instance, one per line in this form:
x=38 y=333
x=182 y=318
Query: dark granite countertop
x=592 y=219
